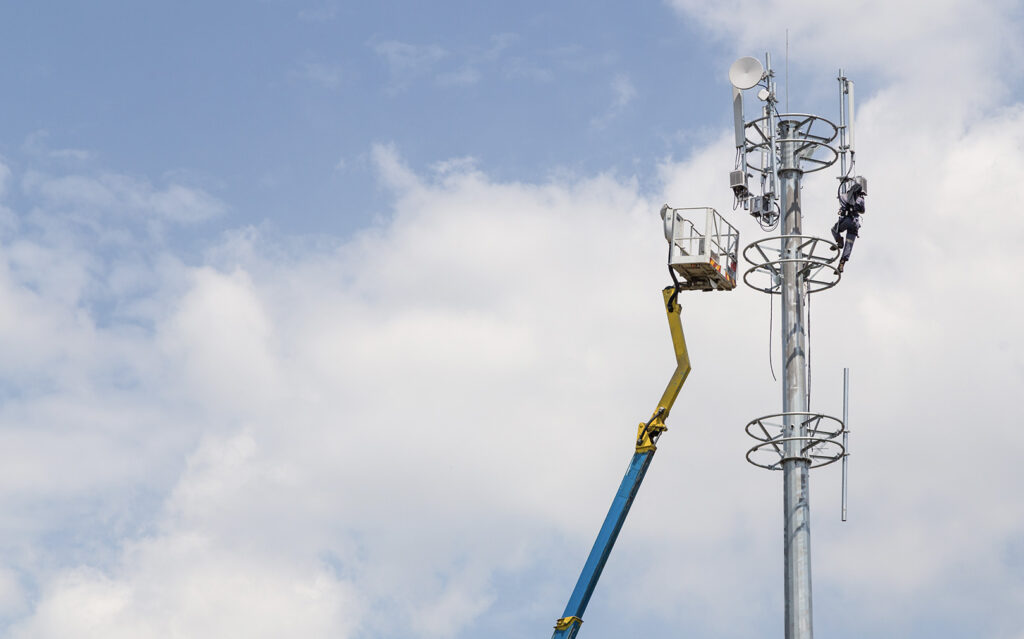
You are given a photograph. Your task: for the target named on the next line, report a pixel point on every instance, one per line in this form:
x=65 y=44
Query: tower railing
x=813 y=257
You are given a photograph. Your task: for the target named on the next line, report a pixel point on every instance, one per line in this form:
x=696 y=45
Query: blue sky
x=322 y=319
x=274 y=106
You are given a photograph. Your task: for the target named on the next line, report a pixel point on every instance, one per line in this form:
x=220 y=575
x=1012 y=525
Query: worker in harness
x=851 y=205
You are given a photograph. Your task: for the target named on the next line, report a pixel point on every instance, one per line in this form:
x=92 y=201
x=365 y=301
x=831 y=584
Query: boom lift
x=699 y=258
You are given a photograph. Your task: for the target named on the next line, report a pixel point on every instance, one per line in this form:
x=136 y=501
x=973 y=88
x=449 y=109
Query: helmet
x=862 y=182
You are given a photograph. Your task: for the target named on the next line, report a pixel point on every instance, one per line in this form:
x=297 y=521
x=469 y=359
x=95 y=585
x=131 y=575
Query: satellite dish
x=746 y=72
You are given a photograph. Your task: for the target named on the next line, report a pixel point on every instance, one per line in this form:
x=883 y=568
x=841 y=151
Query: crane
x=706 y=261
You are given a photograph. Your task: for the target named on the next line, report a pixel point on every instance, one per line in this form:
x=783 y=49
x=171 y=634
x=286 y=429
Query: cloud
x=112 y=193
x=325 y=11
x=407 y=61
x=327 y=76
x=623 y=93
x=36 y=144
x=282 y=402
x=870 y=36
x=415 y=431
x=464 y=76
x=470 y=65
x=406 y=424
x=499 y=57
x=474 y=58
x=500 y=43
x=5 y=179
x=521 y=67
x=204 y=588
x=330 y=382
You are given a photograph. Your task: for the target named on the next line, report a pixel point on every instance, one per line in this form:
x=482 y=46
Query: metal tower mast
x=791 y=265
x=795 y=468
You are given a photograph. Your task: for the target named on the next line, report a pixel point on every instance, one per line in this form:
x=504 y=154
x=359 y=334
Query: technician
x=851 y=206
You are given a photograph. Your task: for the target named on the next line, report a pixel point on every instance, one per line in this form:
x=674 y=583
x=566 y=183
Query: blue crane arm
x=647 y=436
x=569 y=624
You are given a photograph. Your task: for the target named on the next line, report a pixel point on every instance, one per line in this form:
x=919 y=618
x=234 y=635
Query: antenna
x=846 y=138
x=846 y=431
x=745 y=73
x=783 y=148
x=849 y=108
x=737 y=117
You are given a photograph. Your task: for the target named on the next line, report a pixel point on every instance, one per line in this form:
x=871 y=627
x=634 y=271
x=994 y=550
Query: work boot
x=839 y=245
x=842 y=263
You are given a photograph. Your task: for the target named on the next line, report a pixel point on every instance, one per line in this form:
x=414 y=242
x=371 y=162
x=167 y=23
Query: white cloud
x=5 y=179
x=623 y=92
x=112 y=193
x=416 y=430
x=365 y=357
x=899 y=42
x=402 y=56
x=13 y=598
x=320 y=12
x=328 y=76
x=407 y=61
x=36 y=144
x=396 y=425
x=205 y=589
x=464 y=76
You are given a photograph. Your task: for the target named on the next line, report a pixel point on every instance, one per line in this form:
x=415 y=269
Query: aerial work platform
x=705 y=256
x=703 y=248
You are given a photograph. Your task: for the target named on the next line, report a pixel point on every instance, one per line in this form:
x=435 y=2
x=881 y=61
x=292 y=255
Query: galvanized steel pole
x=795 y=465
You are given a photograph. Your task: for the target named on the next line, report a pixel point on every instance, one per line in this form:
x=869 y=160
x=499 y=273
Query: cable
x=768 y=227
x=839 y=189
x=771 y=317
x=846 y=178
x=675 y=290
x=808 y=310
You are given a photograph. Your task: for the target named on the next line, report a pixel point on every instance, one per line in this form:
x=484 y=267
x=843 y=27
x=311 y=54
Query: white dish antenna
x=746 y=72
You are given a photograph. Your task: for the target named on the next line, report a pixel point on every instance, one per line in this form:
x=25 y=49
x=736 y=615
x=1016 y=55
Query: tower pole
x=795 y=464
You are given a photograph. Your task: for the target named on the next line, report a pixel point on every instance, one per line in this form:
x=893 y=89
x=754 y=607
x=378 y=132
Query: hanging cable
x=671 y=305
x=808 y=311
x=846 y=178
x=771 y=317
x=773 y=224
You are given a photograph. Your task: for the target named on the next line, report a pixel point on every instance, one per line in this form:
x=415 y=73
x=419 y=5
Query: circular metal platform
x=811 y=133
x=819 y=447
x=813 y=257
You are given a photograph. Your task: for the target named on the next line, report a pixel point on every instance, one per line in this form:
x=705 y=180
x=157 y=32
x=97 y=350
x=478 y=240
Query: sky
x=321 y=319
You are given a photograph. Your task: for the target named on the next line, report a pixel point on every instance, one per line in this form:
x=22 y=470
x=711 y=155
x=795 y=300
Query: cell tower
x=779 y=148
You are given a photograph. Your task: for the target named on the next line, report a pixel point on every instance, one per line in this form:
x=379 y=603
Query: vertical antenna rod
x=787 y=70
x=843 y=147
x=846 y=131
x=846 y=430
